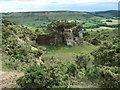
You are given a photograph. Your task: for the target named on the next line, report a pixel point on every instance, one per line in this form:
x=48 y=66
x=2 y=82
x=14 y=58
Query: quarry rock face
x=72 y=36
x=68 y=33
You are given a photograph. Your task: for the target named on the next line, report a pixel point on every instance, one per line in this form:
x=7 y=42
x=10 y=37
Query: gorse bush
x=43 y=77
x=16 y=46
x=72 y=70
x=7 y=22
x=82 y=61
x=106 y=56
x=33 y=75
x=95 y=41
x=106 y=61
x=109 y=78
x=93 y=74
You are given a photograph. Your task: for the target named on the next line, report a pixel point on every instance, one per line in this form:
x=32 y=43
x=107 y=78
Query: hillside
x=107 y=14
x=38 y=19
x=93 y=63
x=41 y=19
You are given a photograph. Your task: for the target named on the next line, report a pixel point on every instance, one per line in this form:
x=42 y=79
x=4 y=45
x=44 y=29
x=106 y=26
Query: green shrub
x=43 y=77
x=93 y=74
x=106 y=61
x=95 y=41
x=82 y=61
x=72 y=70
x=16 y=46
x=106 y=56
x=109 y=78
x=7 y=22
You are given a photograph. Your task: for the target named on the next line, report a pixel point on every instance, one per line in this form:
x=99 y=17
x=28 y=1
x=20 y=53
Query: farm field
x=110 y=23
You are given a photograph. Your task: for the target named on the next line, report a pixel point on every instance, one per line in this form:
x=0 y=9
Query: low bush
x=82 y=61
x=72 y=70
x=43 y=77
x=109 y=78
x=106 y=56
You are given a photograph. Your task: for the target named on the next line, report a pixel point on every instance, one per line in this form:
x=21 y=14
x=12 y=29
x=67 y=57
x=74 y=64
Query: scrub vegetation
x=92 y=63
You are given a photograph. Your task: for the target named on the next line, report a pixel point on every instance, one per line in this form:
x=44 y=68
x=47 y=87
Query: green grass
x=88 y=24
x=113 y=22
x=67 y=54
x=100 y=28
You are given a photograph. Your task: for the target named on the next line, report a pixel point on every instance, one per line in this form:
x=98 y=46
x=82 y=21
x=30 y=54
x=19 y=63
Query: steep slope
x=18 y=42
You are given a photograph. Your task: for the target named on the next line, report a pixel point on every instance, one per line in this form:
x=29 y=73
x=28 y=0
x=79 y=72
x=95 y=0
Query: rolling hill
x=42 y=18
x=107 y=14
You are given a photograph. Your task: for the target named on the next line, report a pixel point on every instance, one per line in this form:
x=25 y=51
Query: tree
x=108 y=20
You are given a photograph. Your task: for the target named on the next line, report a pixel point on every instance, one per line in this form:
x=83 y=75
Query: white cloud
x=24 y=5
x=15 y=5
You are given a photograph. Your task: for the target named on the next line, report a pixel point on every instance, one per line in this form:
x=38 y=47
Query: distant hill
x=42 y=18
x=107 y=14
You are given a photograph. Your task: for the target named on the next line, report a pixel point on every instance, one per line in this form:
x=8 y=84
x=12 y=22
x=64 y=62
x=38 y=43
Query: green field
x=110 y=23
x=38 y=19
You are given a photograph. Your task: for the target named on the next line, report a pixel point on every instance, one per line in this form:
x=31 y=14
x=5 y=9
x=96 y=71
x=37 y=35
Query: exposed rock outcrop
x=69 y=33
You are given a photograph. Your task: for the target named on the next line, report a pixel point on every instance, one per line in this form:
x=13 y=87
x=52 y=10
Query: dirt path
x=7 y=79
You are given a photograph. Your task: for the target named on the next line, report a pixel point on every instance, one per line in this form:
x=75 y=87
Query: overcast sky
x=48 y=5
